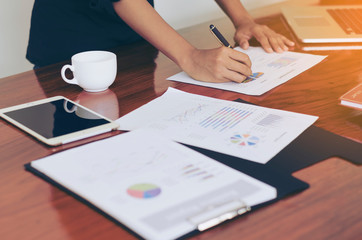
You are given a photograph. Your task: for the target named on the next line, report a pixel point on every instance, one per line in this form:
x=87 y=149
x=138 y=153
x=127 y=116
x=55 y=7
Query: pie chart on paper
x=144 y=190
x=244 y=139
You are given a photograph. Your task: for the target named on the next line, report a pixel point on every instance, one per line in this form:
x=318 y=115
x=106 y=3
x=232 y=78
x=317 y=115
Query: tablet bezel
x=63 y=139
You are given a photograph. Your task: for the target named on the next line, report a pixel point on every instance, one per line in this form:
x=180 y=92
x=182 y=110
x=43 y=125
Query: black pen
x=219 y=36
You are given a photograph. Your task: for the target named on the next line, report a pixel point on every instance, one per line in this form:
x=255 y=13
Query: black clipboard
x=312 y=146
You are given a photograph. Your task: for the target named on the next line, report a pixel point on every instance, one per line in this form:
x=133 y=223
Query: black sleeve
x=101 y=5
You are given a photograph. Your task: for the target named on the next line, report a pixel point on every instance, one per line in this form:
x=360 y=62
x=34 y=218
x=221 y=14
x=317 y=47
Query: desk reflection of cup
x=94 y=71
x=104 y=103
x=79 y=111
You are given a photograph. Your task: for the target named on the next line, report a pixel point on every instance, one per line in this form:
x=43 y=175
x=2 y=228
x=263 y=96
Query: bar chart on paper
x=282 y=62
x=226 y=118
x=196 y=172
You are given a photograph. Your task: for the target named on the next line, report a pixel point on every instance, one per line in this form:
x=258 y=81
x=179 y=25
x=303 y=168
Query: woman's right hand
x=217 y=65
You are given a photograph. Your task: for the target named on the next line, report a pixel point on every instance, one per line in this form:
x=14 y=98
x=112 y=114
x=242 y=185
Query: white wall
x=184 y=13
x=15 y=22
x=14 y=33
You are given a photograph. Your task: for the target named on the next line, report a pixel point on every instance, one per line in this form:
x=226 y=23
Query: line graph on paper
x=189 y=114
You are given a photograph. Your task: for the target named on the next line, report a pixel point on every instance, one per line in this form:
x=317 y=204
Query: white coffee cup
x=94 y=71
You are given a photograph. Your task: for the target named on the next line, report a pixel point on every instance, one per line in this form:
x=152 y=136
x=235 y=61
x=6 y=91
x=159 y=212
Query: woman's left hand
x=269 y=40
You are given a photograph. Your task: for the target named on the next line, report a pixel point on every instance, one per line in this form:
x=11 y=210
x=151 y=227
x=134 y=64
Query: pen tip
x=212 y=26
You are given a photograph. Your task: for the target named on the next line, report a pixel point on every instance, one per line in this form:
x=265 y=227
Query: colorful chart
x=244 y=140
x=282 y=62
x=253 y=77
x=144 y=190
x=225 y=118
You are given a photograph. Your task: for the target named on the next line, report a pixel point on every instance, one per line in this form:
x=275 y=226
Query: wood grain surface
x=331 y=208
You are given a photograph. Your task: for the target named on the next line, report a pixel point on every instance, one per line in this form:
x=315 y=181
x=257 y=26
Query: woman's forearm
x=235 y=11
x=143 y=19
x=212 y=65
x=246 y=28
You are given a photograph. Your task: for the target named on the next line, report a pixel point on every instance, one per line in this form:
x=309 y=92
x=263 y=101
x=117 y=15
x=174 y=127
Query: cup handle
x=65 y=105
x=71 y=68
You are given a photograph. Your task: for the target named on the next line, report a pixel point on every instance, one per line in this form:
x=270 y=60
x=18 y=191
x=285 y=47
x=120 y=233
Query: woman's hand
x=211 y=65
x=269 y=40
x=217 y=65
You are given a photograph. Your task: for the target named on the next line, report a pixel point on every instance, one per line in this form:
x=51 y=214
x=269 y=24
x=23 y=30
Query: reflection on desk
x=329 y=209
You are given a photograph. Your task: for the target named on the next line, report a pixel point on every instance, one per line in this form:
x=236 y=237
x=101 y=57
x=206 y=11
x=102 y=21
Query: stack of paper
x=156 y=187
x=242 y=130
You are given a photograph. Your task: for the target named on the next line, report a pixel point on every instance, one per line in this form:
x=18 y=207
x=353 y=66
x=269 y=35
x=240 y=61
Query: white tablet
x=57 y=120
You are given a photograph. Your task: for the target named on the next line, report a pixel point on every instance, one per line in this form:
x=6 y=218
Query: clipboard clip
x=216 y=214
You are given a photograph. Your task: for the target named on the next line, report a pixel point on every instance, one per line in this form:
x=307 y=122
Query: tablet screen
x=56 y=118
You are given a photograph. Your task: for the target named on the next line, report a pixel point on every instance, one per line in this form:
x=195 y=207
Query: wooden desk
x=331 y=208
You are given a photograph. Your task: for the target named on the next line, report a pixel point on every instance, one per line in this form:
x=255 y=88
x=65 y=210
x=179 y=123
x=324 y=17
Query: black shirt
x=62 y=28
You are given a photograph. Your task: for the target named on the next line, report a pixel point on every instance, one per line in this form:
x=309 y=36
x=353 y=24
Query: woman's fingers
x=220 y=65
x=268 y=39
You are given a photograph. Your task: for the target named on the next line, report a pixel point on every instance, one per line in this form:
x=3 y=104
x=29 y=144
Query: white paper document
x=242 y=130
x=158 y=188
x=269 y=70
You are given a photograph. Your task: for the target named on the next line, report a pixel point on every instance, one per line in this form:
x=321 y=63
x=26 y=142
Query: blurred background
x=15 y=23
